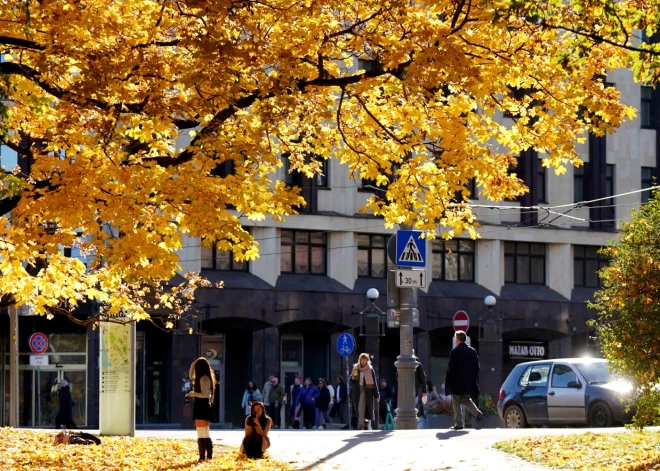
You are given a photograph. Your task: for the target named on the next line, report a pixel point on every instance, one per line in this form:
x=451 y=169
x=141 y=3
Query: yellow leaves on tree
x=28 y=450
x=141 y=120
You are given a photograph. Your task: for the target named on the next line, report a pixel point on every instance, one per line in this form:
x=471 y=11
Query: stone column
x=258 y=368
x=490 y=359
x=489 y=269
x=265 y=355
x=271 y=352
x=185 y=349
x=560 y=256
x=93 y=389
x=561 y=348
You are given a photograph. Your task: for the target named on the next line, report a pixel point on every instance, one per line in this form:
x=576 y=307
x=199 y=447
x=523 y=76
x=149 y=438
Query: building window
x=609 y=209
x=542 y=180
x=646 y=108
x=221 y=260
x=580 y=178
x=303 y=252
x=295 y=178
x=372 y=256
x=323 y=180
x=453 y=260
x=586 y=264
x=524 y=263
x=224 y=169
x=472 y=188
x=647 y=182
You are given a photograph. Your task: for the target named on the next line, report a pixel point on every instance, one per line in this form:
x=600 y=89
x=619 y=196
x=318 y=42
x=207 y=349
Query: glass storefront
x=38 y=394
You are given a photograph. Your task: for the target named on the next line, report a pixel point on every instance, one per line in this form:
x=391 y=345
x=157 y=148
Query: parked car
x=564 y=391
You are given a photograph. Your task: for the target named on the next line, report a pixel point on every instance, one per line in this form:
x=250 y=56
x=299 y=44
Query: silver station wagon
x=562 y=392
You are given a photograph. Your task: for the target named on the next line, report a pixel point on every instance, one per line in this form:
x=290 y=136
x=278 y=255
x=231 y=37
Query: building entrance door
x=291 y=365
x=38 y=394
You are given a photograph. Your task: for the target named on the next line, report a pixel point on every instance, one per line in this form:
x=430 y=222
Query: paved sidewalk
x=410 y=450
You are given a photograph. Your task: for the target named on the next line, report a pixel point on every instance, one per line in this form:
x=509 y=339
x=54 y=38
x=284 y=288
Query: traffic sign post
x=345 y=347
x=38 y=344
x=461 y=321
x=407 y=278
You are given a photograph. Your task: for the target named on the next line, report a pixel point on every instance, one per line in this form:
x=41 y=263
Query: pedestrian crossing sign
x=410 y=249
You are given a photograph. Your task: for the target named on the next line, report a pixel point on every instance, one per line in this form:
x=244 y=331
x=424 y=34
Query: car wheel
x=514 y=417
x=600 y=415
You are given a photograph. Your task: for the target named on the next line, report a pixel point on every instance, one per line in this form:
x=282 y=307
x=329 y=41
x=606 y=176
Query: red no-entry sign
x=461 y=321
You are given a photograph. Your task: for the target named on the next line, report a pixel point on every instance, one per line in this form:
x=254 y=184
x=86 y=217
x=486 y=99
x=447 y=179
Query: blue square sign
x=410 y=249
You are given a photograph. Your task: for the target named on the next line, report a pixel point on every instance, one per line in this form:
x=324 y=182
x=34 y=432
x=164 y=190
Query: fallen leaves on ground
x=29 y=450
x=625 y=451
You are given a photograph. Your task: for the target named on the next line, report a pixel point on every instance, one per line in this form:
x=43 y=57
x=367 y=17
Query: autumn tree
x=629 y=308
x=122 y=112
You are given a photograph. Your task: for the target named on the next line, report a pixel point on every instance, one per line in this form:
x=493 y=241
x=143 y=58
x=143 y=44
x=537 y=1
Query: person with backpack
x=251 y=394
x=307 y=398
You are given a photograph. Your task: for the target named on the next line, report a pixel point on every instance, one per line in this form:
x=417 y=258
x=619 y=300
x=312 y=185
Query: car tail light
x=501 y=394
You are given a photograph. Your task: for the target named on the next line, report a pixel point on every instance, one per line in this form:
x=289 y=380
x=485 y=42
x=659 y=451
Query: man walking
x=265 y=392
x=275 y=396
x=420 y=392
x=461 y=380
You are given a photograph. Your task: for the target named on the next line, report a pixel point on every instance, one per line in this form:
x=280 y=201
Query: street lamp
x=490 y=323
x=372 y=312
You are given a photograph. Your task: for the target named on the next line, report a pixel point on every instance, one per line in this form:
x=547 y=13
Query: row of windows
x=304 y=252
x=580 y=181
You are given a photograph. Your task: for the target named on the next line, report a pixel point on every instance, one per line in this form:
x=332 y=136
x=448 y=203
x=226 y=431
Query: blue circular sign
x=38 y=343
x=345 y=344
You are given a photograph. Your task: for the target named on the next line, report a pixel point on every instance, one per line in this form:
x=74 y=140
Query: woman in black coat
x=322 y=404
x=65 y=410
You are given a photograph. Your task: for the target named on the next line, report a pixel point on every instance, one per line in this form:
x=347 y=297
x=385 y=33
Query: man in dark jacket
x=421 y=389
x=340 y=406
x=461 y=380
x=276 y=397
x=386 y=395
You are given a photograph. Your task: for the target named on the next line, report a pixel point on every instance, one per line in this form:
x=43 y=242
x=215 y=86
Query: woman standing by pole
x=204 y=393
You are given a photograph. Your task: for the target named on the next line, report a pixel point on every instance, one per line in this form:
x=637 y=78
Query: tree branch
x=597 y=38
x=19 y=42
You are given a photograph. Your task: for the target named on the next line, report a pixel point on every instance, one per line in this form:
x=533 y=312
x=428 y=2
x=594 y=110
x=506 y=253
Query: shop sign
x=528 y=350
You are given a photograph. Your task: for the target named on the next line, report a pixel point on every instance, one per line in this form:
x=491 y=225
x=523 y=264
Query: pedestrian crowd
x=314 y=405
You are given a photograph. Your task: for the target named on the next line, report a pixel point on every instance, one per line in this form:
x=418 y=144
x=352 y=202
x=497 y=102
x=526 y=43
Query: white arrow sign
x=410 y=278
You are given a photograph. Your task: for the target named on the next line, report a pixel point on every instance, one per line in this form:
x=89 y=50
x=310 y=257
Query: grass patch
x=28 y=450
x=625 y=451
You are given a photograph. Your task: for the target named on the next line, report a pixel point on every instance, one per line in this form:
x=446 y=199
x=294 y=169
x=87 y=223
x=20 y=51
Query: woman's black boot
x=201 y=444
x=209 y=449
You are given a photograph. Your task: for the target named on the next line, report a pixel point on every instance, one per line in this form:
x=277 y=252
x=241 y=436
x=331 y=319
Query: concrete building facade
x=282 y=313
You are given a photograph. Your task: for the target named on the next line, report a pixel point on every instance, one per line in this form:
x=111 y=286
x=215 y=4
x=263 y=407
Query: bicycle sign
x=345 y=344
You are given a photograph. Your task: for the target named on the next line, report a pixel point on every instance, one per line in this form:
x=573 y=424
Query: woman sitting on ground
x=257 y=426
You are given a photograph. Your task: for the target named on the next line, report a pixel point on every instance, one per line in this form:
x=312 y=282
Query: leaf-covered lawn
x=626 y=451
x=27 y=450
